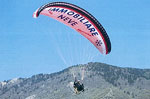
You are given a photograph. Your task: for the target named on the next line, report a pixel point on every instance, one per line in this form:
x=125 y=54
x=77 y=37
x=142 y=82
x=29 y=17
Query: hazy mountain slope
x=101 y=81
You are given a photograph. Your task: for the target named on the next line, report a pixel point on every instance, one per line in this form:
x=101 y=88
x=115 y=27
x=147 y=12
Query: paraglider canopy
x=80 y=20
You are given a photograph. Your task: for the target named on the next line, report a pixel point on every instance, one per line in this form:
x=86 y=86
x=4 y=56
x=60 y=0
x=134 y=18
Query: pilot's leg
x=76 y=91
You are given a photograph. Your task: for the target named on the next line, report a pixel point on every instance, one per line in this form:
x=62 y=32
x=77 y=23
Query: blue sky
x=31 y=46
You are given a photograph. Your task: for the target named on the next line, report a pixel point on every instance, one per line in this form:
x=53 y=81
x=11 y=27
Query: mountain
x=101 y=81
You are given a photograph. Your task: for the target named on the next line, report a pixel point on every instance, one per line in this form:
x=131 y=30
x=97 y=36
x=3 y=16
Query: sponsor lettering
x=70 y=21
x=74 y=15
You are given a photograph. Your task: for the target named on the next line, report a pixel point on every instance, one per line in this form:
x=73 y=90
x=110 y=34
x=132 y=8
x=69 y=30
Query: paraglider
x=77 y=86
x=80 y=20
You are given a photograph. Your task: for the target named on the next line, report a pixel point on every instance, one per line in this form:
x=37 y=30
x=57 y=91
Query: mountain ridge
x=102 y=81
